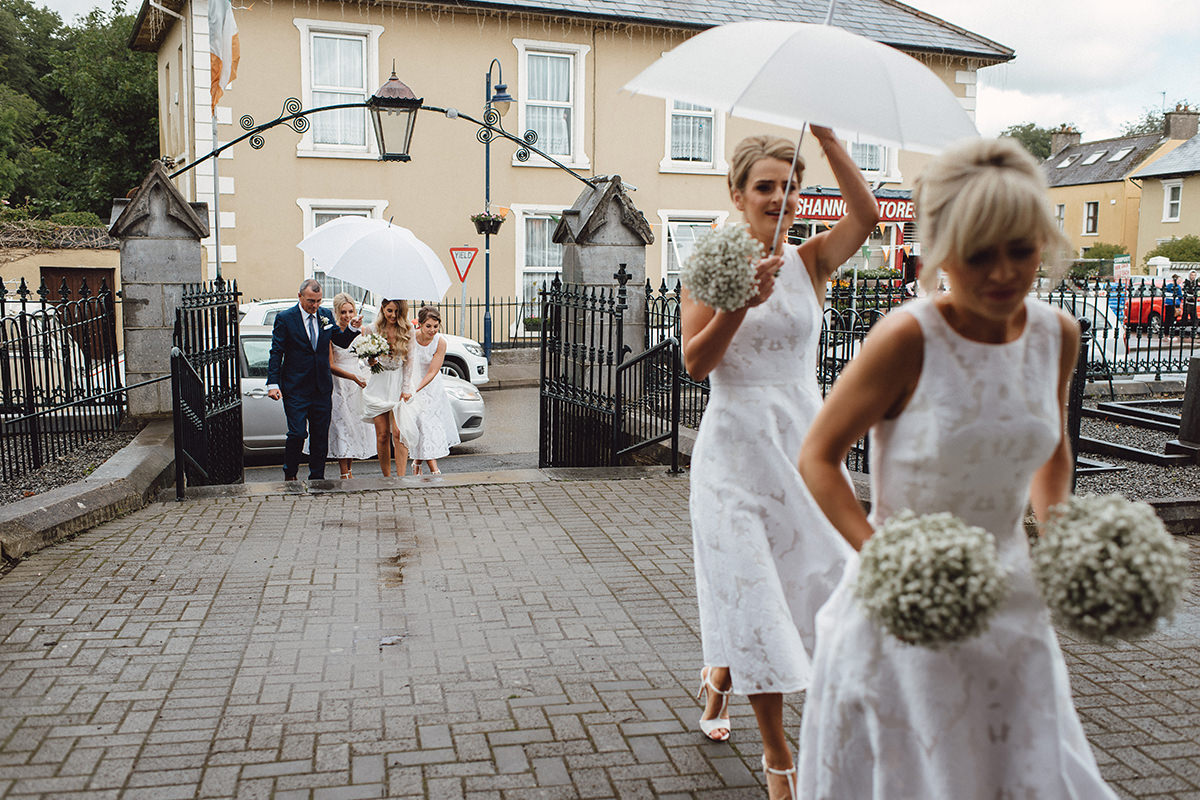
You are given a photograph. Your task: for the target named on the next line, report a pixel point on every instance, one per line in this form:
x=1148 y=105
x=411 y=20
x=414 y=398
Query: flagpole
x=216 y=195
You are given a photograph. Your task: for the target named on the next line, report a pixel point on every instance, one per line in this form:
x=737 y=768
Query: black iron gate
x=206 y=386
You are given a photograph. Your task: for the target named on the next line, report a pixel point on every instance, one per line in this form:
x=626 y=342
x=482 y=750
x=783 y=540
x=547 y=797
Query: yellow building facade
x=565 y=71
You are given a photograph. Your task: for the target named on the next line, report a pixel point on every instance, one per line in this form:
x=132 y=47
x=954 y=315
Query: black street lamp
x=394 y=110
x=495 y=106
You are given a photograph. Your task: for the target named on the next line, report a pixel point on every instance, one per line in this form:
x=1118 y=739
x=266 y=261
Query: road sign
x=463 y=258
x=1121 y=266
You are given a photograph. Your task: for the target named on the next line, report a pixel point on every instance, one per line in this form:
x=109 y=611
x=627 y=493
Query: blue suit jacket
x=298 y=370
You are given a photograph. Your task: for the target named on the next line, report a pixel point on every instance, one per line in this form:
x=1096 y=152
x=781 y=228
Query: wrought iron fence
x=60 y=378
x=647 y=402
x=206 y=386
x=516 y=322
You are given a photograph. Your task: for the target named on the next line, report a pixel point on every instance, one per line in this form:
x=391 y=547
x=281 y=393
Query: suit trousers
x=307 y=417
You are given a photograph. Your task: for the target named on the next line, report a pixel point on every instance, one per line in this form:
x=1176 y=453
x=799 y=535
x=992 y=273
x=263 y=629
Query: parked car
x=1105 y=324
x=464 y=357
x=264 y=427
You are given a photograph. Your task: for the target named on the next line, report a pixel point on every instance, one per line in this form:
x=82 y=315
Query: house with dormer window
x=564 y=64
x=1092 y=185
x=1170 y=196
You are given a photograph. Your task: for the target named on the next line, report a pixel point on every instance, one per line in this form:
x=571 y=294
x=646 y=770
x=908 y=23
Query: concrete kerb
x=125 y=482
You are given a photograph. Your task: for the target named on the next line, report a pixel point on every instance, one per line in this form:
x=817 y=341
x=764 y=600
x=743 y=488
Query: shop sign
x=890 y=210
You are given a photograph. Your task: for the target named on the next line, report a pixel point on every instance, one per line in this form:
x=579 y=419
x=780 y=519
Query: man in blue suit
x=298 y=371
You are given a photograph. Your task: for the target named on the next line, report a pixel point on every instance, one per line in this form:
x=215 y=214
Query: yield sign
x=463 y=258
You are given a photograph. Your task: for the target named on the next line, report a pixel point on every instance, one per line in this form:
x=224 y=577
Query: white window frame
x=666 y=216
x=520 y=211
x=311 y=206
x=1086 y=205
x=718 y=165
x=891 y=162
x=1168 y=186
x=578 y=53
x=1060 y=215
x=308 y=27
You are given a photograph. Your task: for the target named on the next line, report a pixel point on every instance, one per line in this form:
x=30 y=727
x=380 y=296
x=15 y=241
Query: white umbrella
x=386 y=259
x=791 y=73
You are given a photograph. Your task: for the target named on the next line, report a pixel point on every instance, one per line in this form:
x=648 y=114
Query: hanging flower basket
x=487 y=223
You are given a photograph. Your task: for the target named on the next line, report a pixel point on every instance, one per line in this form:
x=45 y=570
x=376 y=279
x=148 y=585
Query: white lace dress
x=436 y=431
x=349 y=435
x=991 y=717
x=384 y=389
x=766 y=557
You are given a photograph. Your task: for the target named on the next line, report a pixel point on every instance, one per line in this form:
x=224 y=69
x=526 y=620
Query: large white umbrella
x=386 y=259
x=792 y=73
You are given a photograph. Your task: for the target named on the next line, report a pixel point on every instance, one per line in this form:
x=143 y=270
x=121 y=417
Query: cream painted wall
x=443 y=58
x=1117 y=219
x=18 y=264
x=1153 y=228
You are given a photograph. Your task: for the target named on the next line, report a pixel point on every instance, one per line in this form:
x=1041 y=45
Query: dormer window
x=1068 y=161
x=1124 y=151
x=1094 y=157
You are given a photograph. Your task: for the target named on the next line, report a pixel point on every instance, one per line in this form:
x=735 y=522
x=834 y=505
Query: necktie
x=312 y=330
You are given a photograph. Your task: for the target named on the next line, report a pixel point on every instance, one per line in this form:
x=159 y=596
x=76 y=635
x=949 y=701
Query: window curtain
x=543 y=258
x=681 y=239
x=691 y=133
x=548 y=111
x=339 y=76
x=331 y=286
x=868 y=157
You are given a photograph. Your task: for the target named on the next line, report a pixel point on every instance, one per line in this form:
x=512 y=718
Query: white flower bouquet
x=930 y=580
x=719 y=272
x=1107 y=566
x=370 y=345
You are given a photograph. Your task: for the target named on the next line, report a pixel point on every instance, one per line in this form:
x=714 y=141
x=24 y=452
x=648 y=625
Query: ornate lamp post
x=495 y=106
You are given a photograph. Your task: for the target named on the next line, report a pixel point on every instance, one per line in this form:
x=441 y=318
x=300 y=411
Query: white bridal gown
x=990 y=717
x=384 y=389
x=766 y=557
x=436 y=430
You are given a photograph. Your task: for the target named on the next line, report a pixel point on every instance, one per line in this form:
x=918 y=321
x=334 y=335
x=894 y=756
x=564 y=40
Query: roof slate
x=1103 y=170
x=1183 y=160
x=886 y=21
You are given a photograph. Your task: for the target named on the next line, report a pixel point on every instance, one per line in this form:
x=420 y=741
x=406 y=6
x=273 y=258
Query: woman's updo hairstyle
x=980 y=194
x=340 y=299
x=753 y=149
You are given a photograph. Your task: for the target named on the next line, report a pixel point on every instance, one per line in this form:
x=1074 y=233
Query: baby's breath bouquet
x=719 y=272
x=930 y=580
x=1107 y=566
x=370 y=345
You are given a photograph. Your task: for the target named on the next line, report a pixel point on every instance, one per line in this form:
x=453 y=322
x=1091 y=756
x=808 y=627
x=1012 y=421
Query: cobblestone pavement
x=520 y=640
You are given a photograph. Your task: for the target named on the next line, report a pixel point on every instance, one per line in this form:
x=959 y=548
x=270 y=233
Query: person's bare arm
x=875 y=385
x=706 y=332
x=435 y=366
x=1051 y=484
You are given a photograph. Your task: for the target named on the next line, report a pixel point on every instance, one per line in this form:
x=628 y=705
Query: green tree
x=1151 y=121
x=1103 y=250
x=1185 y=249
x=29 y=39
x=20 y=116
x=1035 y=139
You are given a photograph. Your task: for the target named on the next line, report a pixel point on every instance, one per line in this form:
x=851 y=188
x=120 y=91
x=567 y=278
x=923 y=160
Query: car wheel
x=1154 y=325
x=456 y=369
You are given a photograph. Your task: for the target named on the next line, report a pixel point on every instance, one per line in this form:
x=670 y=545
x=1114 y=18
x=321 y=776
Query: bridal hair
x=428 y=312
x=981 y=194
x=340 y=299
x=398 y=335
x=753 y=149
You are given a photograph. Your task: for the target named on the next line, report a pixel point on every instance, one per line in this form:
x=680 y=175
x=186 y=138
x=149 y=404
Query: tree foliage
x=1185 y=249
x=1106 y=251
x=1034 y=138
x=78 y=109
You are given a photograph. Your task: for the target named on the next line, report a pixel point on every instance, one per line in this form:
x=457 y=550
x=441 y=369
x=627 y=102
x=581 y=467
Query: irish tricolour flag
x=224 y=47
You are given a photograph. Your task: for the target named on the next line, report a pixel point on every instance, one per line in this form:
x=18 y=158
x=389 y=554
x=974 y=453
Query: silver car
x=264 y=426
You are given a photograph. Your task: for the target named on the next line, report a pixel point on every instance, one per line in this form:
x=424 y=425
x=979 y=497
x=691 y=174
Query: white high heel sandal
x=721 y=720
x=790 y=774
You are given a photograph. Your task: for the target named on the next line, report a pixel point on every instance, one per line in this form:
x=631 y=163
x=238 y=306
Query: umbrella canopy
x=386 y=259
x=792 y=73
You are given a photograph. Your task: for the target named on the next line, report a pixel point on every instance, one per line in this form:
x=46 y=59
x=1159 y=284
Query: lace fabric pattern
x=991 y=717
x=766 y=558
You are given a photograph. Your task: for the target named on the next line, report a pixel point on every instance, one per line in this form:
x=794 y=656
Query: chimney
x=1064 y=137
x=1180 y=123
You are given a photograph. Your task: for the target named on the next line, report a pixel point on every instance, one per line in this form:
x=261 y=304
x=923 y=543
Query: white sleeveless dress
x=436 y=431
x=766 y=557
x=989 y=718
x=349 y=435
x=383 y=391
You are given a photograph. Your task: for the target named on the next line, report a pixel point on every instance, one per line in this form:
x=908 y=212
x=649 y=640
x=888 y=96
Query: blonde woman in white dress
x=386 y=391
x=766 y=557
x=350 y=437
x=964 y=393
x=436 y=431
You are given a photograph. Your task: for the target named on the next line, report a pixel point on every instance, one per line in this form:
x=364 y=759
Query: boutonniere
x=325 y=323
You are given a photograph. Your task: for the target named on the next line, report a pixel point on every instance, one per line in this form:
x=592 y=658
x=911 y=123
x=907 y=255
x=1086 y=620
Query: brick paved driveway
x=518 y=640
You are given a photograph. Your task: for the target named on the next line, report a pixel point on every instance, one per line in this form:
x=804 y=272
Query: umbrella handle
x=787 y=189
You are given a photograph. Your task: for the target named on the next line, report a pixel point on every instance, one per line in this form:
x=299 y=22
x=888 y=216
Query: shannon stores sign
x=820 y=207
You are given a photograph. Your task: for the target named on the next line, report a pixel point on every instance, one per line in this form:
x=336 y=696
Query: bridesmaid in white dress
x=387 y=391
x=965 y=392
x=766 y=558
x=350 y=437
x=436 y=431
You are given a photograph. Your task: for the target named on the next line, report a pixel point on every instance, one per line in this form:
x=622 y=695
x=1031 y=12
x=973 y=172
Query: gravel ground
x=74 y=466
x=1138 y=481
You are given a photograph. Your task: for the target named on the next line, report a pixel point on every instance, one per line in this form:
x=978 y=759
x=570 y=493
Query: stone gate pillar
x=601 y=231
x=160 y=234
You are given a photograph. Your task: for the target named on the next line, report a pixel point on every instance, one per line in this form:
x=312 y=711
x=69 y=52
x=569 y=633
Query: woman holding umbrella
x=766 y=557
